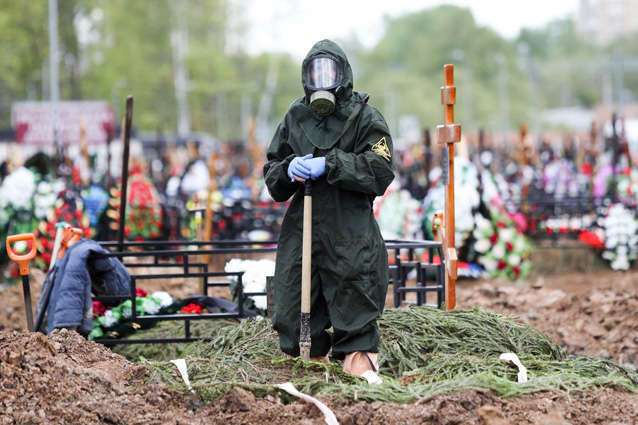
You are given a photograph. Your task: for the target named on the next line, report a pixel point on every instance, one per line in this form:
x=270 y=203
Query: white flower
x=514 y=260
x=261 y=302
x=489 y=263
x=18 y=187
x=482 y=222
x=575 y=223
x=44 y=187
x=151 y=305
x=254 y=277
x=58 y=186
x=506 y=235
x=620 y=263
x=162 y=298
x=108 y=319
x=482 y=246
x=519 y=243
x=498 y=251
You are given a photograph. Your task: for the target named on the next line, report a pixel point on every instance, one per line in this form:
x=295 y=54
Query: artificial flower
x=163 y=298
x=191 y=308
x=98 y=308
x=150 y=306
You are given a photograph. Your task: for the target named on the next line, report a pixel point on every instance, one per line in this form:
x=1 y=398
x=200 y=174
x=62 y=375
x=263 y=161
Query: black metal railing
x=413 y=262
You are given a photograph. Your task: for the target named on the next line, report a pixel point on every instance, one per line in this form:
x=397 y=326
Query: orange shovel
x=23 y=261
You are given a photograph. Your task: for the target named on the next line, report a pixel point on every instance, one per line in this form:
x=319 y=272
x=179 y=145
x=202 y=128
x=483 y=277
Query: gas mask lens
x=323 y=73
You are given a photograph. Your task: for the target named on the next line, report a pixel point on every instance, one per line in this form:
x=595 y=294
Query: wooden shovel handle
x=306 y=255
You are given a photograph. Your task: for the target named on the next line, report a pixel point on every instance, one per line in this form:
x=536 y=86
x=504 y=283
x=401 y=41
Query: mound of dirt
x=604 y=406
x=586 y=318
x=63 y=379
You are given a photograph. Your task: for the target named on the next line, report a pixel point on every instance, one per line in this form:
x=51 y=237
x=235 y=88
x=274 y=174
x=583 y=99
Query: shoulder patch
x=381 y=149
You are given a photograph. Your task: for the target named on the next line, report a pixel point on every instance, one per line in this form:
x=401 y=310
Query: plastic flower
x=482 y=246
x=506 y=234
x=514 y=260
x=150 y=305
x=108 y=319
x=483 y=225
x=489 y=263
x=125 y=309
x=139 y=292
x=498 y=251
x=163 y=298
x=98 y=309
x=18 y=188
x=254 y=277
x=191 y=308
x=96 y=332
x=620 y=229
x=520 y=243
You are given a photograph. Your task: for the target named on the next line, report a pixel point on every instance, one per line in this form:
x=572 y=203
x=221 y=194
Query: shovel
x=306 y=267
x=23 y=261
x=59 y=232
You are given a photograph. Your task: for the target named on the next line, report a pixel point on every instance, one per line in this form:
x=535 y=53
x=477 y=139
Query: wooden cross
x=448 y=135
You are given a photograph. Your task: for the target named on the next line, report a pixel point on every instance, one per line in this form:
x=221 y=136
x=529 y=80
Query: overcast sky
x=294 y=25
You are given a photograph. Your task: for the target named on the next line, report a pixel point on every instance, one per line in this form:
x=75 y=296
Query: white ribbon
x=180 y=364
x=372 y=377
x=328 y=414
x=513 y=358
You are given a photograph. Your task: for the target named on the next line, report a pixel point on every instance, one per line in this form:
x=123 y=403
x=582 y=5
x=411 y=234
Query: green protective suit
x=349 y=258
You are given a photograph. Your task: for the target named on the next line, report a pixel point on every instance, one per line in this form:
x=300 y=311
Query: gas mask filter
x=323 y=76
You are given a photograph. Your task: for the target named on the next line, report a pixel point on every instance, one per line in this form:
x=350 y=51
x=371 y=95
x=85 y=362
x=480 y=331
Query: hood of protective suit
x=329 y=49
x=324 y=132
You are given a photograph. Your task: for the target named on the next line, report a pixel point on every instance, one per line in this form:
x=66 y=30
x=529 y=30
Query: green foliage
x=407 y=64
x=423 y=352
x=138 y=59
x=129 y=50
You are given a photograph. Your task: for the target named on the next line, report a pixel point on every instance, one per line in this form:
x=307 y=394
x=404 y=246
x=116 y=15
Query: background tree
x=110 y=48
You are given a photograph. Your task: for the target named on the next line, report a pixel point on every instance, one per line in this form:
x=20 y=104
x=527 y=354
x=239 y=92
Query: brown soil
x=63 y=379
x=592 y=314
x=603 y=406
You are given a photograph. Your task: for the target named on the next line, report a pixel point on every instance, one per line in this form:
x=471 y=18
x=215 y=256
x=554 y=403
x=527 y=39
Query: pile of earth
x=63 y=379
x=592 y=314
x=66 y=379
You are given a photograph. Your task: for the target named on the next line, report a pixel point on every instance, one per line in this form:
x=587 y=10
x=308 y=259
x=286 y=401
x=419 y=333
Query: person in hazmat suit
x=332 y=136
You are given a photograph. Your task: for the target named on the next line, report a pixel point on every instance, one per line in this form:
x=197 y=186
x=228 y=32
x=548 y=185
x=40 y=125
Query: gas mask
x=323 y=76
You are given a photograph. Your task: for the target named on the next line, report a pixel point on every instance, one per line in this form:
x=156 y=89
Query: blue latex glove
x=317 y=167
x=298 y=170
